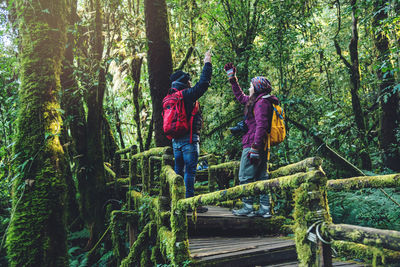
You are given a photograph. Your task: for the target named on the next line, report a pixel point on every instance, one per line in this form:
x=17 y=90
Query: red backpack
x=175 y=122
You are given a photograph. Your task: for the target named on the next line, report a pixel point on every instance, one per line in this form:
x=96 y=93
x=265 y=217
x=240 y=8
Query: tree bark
x=71 y=103
x=159 y=61
x=354 y=68
x=92 y=189
x=389 y=101
x=136 y=70
x=37 y=232
x=109 y=143
x=119 y=131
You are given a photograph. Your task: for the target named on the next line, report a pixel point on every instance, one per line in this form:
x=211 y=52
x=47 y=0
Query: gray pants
x=249 y=173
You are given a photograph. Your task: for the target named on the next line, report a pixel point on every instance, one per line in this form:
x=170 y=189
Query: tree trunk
x=354 y=68
x=136 y=70
x=389 y=101
x=159 y=61
x=93 y=188
x=109 y=142
x=119 y=130
x=87 y=134
x=71 y=103
x=355 y=81
x=37 y=231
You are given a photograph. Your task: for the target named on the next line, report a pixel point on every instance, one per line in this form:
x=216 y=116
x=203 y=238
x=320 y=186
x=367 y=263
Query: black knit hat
x=180 y=76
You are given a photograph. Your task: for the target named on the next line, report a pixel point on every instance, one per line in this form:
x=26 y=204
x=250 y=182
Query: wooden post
x=117 y=165
x=325 y=254
x=132 y=173
x=211 y=178
x=311 y=209
x=132 y=167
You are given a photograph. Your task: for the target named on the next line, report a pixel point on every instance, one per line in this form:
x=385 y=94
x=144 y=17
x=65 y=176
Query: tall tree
x=92 y=187
x=159 y=61
x=71 y=103
x=389 y=100
x=355 y=79
x=37 y=232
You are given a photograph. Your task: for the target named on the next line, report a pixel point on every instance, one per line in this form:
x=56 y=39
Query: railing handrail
x=369 y=236
x=355 y=183
x=251 y=189
x=305 y=178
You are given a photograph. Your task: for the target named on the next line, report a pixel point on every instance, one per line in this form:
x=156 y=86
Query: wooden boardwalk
x=210 y=245
x=241 y=251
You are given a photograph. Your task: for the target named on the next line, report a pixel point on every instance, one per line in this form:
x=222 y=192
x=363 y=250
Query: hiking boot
x=247 y=210
x=263 y=211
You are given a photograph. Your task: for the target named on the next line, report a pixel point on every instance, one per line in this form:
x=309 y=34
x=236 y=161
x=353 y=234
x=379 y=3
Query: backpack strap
x=194 y=111
x=268 y=146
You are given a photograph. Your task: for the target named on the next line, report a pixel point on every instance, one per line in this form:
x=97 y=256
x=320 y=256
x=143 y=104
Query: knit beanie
x=261 y=84
x=180 y=76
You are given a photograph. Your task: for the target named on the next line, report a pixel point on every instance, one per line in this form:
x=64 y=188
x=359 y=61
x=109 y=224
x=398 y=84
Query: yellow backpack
x=278 y=131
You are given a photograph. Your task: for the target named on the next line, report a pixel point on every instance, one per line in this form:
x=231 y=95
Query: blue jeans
x=186 y=157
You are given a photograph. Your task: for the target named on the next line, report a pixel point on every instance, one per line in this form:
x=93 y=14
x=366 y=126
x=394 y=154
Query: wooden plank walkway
x=221 y=222
x=241 y=251
x=242 y=248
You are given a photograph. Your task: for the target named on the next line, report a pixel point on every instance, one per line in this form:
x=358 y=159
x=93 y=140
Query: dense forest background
x=82 y=79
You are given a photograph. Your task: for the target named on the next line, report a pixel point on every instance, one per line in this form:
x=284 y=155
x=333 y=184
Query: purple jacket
x=260 y=122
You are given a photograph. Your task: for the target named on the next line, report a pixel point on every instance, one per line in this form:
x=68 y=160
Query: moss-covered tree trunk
x=93 y=187
x=109 y=142
x=159 y=61
x=37 y=232
x=136 y=67
x=389 y=99
x=71 y=103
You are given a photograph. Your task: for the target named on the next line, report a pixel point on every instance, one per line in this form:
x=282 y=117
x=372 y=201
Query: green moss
x=301 y=166
x=368 y=254
x=117 y=224
x=142 y=242
x=390 y=180
x=286 y=182
x=37 y=231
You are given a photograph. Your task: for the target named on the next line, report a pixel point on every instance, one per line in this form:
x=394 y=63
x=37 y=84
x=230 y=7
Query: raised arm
x=237 y=91
x=194 y=93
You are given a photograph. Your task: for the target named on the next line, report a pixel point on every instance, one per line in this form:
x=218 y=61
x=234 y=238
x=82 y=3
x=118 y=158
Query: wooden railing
x=160 y=215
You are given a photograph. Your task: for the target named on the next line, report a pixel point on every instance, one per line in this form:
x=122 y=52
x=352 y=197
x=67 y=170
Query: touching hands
x=230 y=70
x=207 y=57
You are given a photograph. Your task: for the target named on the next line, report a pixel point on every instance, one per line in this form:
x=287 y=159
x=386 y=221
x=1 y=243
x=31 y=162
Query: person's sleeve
x=261 y=111
x=194 y=93
x=238 y=92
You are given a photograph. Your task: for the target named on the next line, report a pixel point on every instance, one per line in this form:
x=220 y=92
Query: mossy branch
x=256 y=188
x=185 y=59
x=355 y=183
x=360 y=251
x=157 y=151
x=364 y=235
x=301 y=166
x=125 y=150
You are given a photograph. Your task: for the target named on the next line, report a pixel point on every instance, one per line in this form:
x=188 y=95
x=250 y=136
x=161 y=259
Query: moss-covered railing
x=158 y=227
x=163 y=221
x=364 y=242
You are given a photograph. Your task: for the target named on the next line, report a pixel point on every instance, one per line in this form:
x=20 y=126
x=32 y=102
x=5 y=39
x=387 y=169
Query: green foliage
x=367 y=207
x=291 y=43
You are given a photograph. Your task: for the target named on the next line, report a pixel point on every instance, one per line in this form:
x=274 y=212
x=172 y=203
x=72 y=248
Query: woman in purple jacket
x=258 y=114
